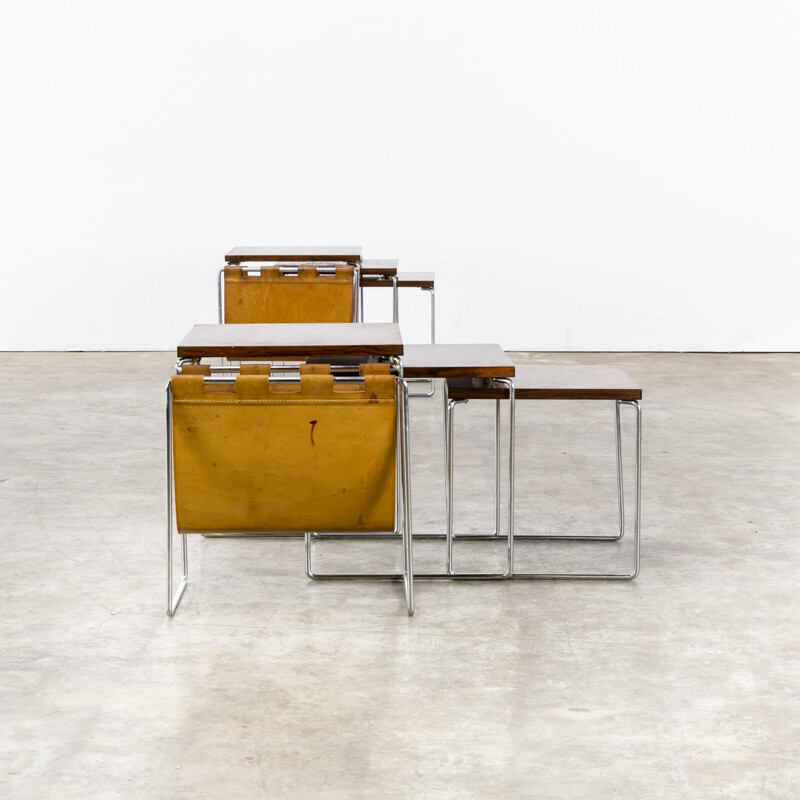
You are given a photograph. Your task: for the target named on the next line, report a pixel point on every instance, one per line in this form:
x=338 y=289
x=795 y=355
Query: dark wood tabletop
x=555 y=382
x=456 y=361
x=298 y=340
x=239 y=254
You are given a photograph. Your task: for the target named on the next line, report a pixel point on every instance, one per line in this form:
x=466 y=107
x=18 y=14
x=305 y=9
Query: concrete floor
x=683 y=683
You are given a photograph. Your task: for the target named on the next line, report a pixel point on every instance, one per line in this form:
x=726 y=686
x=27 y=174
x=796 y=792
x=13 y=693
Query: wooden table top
x=555 y=382
x=456 y=361
x=297 y=340
x=239 y=254
x=418 y=280
x=379 y=266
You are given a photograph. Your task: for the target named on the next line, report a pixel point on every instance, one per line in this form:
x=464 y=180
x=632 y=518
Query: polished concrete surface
x=683 y=683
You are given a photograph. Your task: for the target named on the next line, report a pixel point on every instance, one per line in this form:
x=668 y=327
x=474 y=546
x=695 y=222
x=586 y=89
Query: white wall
x=581 y=175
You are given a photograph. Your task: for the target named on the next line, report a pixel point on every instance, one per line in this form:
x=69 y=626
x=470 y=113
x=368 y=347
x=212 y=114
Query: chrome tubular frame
x=449 y=419
x=553 y=537
x=403 y=506
x=408 y=544
x=596 y=537
x=624 y=576
x=433 y=341
x=356 y=293
x=173 y=599
x=449 y=482
x=220 y=295
x=512 y=535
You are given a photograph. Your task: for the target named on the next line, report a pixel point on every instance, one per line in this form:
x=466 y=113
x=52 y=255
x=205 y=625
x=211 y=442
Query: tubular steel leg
x=449 y=481
x=496 y=531
x=395 y=301
x=408 y=538
x=433 y=314
x=637 y=523
x=448 y=484
x=449 y=469
x=433 y=341
x=357 y=294
x=173 y=599
x=220 y=301
x=625 y=576
x=445 y=432
x=512 y=424
x=620 y=486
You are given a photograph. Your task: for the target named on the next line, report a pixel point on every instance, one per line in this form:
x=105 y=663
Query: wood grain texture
x=456 y=361
x=554 y=382
x=291 y=340
x=302 y=253
x=413 y=280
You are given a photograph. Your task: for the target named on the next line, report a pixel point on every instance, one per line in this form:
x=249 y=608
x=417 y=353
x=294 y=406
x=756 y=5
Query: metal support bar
x=356 y=293
x=220 y=295
x=408 y=548
x=173 y=599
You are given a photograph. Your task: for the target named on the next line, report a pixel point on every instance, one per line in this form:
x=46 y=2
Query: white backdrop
x=580 y=175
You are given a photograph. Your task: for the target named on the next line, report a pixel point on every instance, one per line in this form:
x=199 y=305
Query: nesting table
x=472 y=371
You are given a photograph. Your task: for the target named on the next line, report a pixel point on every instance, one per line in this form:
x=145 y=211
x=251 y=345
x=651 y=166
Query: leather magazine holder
x=302 y=294
x=256 y=456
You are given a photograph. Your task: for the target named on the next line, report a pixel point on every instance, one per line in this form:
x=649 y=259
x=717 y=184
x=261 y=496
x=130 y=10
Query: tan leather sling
x=302 y=296
x=251 y=456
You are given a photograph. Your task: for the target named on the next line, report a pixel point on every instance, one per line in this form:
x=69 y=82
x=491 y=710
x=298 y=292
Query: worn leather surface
x=275 y=297
x=195 y=369
x=255 y=457
x=253 y=369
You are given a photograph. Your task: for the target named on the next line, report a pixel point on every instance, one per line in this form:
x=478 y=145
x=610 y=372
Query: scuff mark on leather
x=312 y=423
